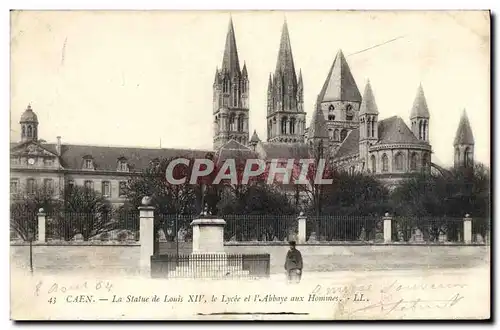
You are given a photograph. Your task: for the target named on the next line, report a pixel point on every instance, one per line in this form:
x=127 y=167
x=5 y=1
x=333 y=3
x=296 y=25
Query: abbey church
x=345 y=127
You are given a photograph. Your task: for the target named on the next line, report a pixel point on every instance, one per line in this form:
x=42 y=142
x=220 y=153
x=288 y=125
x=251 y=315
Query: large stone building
x=344 y=125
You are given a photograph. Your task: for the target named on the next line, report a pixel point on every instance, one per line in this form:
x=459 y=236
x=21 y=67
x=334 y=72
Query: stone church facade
x=345 y=125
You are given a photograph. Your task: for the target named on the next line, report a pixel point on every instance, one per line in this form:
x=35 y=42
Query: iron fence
x=344 y=228
x=23 y=224
x=244 y=228
x=427 y=229
x=216 y=266
x=104 y=227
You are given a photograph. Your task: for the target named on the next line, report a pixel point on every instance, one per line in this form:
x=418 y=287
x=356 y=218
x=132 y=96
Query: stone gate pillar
x=41 y=225
x=467 y=229
x=146 y=234
x=301 y=237
x=387 y=228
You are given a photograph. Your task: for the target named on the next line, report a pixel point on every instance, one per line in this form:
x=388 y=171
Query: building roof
x=29 y=115
x=464 y=132
x=420 y=108
x=106 y=158
x=350 y=146
x=284 y=150
x=368 y=105
x=230 y=61
x=234 y=150
x=317 y=128
x=340 y=84
x=394 y=130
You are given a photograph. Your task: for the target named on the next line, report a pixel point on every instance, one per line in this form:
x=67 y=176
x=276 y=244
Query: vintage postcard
x=250 y=165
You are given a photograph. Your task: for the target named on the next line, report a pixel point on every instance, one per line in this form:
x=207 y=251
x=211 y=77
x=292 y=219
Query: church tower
x=317 y=136
x=230 y=96
x=29 y=125
x=464 y=144
x=368 y=122
x=339 y=101
x=419 y=116
x=286 y=119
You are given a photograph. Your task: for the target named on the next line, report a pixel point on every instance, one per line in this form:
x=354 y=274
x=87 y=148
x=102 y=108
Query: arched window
x=413 y=161
x=24 y=131
x=331 y=117
x=343 y=135
x=373 y=128
x=283 y=125
x=232 y=123
x=336 y=135
x=368 y=128
x=330 y=133
x=292 y=125
x=467 y=157
x=420 y=129
x=240 y=123
x=424 y=133
x=374 y=164
x=331 y=108
x=425 y=161
x=399 y=161
x=235 y=95
x=30 y=131
x=385 y=163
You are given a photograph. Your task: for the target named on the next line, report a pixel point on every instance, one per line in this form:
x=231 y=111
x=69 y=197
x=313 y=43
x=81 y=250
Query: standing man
x=293 y=264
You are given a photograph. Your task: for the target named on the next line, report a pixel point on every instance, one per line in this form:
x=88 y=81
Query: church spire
x=419 y=108
x=464 y=134
x=368 y=105
x=230 y=61
x=340 y=84
x=284 y=64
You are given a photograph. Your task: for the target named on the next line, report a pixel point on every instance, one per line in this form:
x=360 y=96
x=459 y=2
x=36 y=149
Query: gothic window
x=467 y=157
x=368 y=128
x=374 y=164
x=331 y=117
x=420 y=128
x=283 y=125
x=30 y=131
x=232 y=122
x=330 y=133
x=30 y=186
x=373 y=128
x=343 y=135
x=225 y=88
x=23 y=131
x=240 y=123
x=424 y=133
x=106 y=189
x=413 y=162
x=399 y=161
x=425 y=161
x=292 y=125
x=336 y=135
x=331 y=108
x=385 y=163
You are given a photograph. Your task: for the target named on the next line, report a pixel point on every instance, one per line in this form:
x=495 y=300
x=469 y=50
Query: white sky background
x=131 y=78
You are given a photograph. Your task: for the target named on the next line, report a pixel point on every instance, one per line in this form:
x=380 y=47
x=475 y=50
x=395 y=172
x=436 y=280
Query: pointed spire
x=464 y=132
x=317 y=129
x=270 y=84
x=230 y=62
x=368 y=105
x=300 y=77
x=244 y=72
x=285 y=64
x=419 y=108
x=340 y=84
x=255 y=137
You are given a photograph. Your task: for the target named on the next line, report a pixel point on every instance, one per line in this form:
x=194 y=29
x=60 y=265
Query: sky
x=141 y=78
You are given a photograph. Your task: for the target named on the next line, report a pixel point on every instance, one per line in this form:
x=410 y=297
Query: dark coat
x=293 y=260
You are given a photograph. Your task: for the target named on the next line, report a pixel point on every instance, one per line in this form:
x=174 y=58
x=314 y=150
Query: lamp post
x=30 y=238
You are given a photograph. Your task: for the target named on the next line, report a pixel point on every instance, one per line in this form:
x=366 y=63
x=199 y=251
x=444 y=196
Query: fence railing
x=427 y=229
x=219 y=266
x=344 y=228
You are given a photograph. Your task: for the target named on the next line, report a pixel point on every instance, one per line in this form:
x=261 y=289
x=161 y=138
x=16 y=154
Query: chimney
x=58 y=146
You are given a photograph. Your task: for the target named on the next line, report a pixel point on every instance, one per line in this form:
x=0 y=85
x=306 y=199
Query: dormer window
x=88 y=163
x=122 y=165
x=331 y=108
x=331 y=117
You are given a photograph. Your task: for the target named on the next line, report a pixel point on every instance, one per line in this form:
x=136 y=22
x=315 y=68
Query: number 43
x=52 y=300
